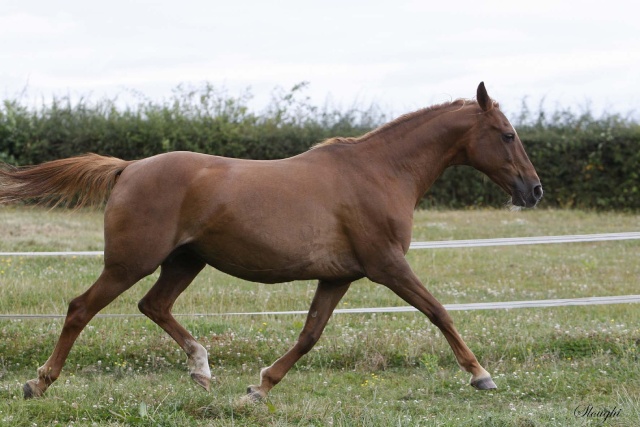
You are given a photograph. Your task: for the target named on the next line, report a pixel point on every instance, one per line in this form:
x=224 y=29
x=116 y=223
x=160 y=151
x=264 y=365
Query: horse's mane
x=424 y=113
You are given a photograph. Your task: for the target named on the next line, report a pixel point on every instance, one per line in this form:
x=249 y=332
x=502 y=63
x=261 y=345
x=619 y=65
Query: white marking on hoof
x=263 y=371
x=198 y=364
x=43 y=371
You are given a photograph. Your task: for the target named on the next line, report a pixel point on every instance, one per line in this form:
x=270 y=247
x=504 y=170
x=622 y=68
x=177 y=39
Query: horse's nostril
x=537 y=192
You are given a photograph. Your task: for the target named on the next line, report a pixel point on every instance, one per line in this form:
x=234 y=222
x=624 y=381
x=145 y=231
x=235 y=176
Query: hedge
x=583 y=161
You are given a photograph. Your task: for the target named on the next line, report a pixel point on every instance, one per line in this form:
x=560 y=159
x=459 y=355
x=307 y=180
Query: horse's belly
x=280 y=275
x=267 y=263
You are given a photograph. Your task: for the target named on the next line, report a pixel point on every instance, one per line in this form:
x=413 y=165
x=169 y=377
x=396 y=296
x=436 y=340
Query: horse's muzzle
x=527 y=198
x=537 y=192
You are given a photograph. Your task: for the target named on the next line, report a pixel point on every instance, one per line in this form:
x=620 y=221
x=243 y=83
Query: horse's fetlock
x=46 y=374
x=267 y=379
x=264 y=373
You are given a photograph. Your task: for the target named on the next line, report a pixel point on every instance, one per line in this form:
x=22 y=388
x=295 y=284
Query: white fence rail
x=506 y=305
x=511 y=241
x=437 y=244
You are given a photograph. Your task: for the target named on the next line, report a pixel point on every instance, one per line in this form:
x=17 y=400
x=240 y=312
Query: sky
x=398 y=54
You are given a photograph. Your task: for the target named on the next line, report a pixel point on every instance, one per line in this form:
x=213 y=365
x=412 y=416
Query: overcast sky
x=400 y=54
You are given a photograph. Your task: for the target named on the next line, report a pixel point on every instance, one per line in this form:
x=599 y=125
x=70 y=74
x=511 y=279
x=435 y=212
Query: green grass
x=368 y=369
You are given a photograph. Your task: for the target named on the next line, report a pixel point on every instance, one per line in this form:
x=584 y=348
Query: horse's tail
x=78 y=181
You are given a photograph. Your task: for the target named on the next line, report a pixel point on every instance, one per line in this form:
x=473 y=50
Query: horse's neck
x=421 y=148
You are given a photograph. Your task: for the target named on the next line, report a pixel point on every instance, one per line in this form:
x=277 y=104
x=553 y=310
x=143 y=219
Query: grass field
x=551 y=365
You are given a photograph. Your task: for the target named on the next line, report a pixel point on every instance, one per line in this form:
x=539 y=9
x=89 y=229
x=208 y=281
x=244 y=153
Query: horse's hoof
x=201 y=380
x=485 y=383
x=31 y=389
x=255 y=394
x=252 y=399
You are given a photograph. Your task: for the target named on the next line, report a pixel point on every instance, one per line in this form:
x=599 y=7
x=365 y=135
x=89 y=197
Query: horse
x=339 y=212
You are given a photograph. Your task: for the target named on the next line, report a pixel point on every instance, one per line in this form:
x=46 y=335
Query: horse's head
x=494 y=148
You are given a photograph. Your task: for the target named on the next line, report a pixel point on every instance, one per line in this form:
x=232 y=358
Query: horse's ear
x=483 y=98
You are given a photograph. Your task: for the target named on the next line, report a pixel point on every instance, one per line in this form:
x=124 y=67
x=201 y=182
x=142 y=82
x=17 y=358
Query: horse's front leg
x=398 y=276
x=327 y=296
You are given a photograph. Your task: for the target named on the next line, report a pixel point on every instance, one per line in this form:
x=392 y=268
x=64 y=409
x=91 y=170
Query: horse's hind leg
x=324 y=302
x=111 y=283
x=176 y=273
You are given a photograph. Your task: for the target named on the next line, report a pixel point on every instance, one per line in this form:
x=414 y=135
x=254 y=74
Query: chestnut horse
x=336 y=213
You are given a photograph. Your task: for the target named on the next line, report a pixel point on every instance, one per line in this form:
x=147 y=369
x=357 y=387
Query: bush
x=582 y=161
x=586 y=162
x=201 y=119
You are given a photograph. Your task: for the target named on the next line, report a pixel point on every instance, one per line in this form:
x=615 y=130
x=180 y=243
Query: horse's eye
x=508 y=137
